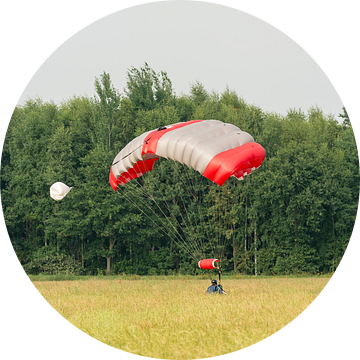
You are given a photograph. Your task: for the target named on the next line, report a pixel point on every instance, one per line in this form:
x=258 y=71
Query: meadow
x=171 y=318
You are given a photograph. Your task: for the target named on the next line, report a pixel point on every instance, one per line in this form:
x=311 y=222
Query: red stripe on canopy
x=235 y=162
x=150 y=146
x=139 y=168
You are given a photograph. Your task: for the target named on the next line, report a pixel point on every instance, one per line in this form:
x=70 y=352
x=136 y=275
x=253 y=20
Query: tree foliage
x=294 y=214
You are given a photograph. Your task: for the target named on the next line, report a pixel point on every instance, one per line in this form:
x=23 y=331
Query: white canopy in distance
x=59 y=190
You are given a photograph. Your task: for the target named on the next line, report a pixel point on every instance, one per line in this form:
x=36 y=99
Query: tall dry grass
x=173 y=319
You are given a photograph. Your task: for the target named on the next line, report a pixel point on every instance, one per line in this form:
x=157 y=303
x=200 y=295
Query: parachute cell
x=215 y=149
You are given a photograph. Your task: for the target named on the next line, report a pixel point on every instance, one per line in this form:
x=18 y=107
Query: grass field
x=173 y=319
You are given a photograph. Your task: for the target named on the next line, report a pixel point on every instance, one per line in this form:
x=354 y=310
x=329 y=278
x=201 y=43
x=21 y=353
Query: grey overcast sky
x=216 y=45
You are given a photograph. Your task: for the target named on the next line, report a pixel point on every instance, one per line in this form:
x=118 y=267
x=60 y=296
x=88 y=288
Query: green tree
x=198 y=93
x=148 y=89
x=25 y=208
x=345 y=117
x=106 y=109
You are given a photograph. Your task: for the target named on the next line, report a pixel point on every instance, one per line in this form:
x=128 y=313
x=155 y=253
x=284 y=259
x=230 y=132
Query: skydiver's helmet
x=213 y=282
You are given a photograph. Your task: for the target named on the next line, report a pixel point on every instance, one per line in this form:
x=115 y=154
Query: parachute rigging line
x=175 y=165
x=171 y=229
x=145 y=191
x=171 y=234
x=183 y=220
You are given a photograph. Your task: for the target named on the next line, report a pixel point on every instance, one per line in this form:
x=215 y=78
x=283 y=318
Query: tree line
x=295 y=214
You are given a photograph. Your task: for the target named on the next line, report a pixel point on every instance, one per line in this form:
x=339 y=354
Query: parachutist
x=214 y=288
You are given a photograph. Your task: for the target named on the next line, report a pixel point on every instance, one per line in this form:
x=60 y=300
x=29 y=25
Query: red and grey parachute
x=215 y=149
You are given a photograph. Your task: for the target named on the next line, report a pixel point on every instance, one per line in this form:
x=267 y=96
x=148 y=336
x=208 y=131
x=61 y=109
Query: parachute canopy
x=215 y=149
x=208 y=264
x=59 y=190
